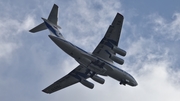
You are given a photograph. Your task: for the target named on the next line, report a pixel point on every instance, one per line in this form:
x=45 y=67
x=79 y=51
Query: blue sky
x=31 y=62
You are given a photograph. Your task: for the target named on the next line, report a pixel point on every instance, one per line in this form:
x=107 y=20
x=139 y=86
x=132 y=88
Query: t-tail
x=50 y=23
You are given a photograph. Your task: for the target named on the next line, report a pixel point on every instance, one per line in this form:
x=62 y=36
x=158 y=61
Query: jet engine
x=117 y=59
x=87 y=84
x=98 y=79
x=119 y=51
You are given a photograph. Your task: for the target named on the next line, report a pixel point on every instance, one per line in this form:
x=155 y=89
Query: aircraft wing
x=72 y=78
x=110 y=39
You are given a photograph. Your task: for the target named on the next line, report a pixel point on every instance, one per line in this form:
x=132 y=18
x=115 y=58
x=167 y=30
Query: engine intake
x=117 y=59
x=119 y=51
x=98 y=79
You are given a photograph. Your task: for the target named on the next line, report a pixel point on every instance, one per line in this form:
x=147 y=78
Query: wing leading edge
x=110 y=39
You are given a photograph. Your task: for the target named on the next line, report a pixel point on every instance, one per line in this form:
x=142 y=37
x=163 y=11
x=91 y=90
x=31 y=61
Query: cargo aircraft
x=99 y=62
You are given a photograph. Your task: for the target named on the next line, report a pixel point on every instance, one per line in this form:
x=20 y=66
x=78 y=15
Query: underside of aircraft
x=91 y=65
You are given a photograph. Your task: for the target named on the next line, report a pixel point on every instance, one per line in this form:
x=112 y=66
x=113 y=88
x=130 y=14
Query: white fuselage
x=99 y=65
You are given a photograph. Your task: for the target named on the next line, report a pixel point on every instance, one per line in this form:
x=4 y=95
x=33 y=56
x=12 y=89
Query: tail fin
x=53 y=18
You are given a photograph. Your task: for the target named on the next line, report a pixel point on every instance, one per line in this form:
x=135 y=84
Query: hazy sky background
x=31 y=62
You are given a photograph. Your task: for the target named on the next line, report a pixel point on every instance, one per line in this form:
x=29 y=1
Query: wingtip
x=55 y=5
x=44 y=90
x=120 y=14
x=31 y=31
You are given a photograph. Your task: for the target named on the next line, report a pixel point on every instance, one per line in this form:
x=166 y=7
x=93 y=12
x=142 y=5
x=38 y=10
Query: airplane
x=91 y=65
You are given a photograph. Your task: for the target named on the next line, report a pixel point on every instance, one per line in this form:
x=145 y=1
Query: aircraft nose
x=134 y=83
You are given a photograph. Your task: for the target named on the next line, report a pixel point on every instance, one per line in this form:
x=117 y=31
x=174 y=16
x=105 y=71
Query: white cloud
x=146 y=60
x=170 y=29
x=10 y=30
x=86 y=18
x=156 y=83
x=151 y=65
x=26 y=24
x=6 y=49
x=151 y=62
x=85 y=23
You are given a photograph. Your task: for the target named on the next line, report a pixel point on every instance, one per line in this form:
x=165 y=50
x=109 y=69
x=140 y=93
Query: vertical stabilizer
x=53 y=16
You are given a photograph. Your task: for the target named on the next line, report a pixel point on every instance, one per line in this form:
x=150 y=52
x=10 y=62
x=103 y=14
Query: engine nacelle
x=98 y=79
x=117 y=59
x=87 y=84
x=119 y=51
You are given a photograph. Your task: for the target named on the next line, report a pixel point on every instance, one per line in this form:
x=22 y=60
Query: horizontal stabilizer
x=38 y=28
